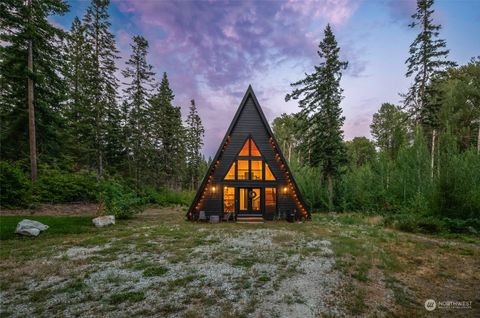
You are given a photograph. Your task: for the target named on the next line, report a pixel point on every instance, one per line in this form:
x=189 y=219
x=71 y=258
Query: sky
x=212 y=50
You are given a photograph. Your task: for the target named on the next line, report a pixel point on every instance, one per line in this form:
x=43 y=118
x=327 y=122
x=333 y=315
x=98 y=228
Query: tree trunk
x=31 y=110
x=289 y=152
x=330 y=192
x=432 y=161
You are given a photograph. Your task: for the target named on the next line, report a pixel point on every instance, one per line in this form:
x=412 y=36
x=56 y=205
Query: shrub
x=408 y=222
x=462 y=226
x=14 y=186
x=166 y=197
x=119 y=200
x=458 y=191
x=62 y=187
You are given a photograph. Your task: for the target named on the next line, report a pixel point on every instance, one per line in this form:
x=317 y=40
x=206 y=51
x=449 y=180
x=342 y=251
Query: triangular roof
x=211 y=169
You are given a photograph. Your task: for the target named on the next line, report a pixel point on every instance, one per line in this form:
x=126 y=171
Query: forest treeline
x=124 y=141
x=64 y=109
x=422 y=168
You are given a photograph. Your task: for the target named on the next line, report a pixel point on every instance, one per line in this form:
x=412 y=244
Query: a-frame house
x=248 y=179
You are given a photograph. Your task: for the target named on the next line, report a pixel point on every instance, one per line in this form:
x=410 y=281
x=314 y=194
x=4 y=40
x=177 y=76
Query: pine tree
x=428 y=59
x=168 y=135
x=138 y=92
x=102 y=83
x=194 y=143
x=79 y=110
x=30 y=64
x=319 y=97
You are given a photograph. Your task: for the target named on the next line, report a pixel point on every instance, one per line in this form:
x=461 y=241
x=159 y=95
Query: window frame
x=249 y=158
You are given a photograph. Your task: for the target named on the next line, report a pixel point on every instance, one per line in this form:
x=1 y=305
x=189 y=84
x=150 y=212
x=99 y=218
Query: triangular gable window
x=254 y=152
x=231 y=173
x=244 y=151
x=250 y=149
x=268 y=173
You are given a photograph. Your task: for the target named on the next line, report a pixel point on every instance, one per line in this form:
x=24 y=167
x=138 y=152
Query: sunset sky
x=212 y=50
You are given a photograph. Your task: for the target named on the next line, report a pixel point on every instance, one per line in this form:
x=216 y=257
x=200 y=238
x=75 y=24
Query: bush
x=416 y=223
x=458 y=191
x=119 y=200
x=462 y=226
x=14 y=186
x=62 y=187
x=166 y=197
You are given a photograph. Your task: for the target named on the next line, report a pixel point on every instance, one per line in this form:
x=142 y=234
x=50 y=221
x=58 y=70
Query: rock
x=30 y=227
x=105 y=220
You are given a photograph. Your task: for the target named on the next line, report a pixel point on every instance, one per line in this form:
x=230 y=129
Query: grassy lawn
x=59 y=225
x=157 y=264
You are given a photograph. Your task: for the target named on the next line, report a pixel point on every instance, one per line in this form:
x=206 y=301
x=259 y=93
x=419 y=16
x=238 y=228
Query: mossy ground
x=159 y=264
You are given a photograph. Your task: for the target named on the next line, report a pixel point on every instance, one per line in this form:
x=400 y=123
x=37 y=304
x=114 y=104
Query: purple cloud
x=213 y=50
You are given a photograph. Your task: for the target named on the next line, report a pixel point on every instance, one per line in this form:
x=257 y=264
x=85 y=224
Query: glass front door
x=250 y=200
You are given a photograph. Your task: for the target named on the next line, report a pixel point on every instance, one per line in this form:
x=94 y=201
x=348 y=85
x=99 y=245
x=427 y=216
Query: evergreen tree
x=194 y=143
x=319 y=97
x=428 y=59
x=31 y=90
x=138 y=92
x=168 y=135
x=79 y=108
x=102 y=82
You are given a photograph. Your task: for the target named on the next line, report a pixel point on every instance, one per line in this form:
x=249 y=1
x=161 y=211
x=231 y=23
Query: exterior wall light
x=214 y=189
x=285 y=189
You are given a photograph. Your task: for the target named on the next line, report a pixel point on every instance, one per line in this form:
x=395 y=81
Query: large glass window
x=228 y=199
x=231 y=173
x=249 y=169
x=243 y=170
x=270 y=200
x=257 y=173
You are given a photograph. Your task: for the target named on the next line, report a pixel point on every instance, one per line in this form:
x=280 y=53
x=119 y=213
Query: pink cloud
x=212 y=49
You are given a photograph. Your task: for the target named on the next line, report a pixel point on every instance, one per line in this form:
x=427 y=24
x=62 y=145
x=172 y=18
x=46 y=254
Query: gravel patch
x=233 y=272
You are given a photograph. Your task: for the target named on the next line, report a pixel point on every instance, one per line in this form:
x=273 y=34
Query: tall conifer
x=428 y=59
x=137 y=93
x=319 y=96
x=102 y=81
x=194 y=143
x=168 y=135
x=31 y=90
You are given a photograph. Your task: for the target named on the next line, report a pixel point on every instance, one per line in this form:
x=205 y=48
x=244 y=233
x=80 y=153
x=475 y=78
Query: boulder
x=30 y=227
x=105 y=220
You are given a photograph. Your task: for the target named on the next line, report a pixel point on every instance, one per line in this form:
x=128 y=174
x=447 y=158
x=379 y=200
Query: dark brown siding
x=249 y=123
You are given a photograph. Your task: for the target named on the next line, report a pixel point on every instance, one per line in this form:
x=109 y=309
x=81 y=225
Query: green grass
x=128 y=296
x=155 y=271
x=58 y=225
x=72 y=287
x=361 y=272
x=181 y=282
x=245 y=262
